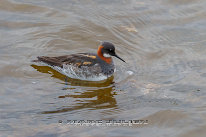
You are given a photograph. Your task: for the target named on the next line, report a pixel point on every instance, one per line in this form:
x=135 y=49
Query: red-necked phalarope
x=85 y=66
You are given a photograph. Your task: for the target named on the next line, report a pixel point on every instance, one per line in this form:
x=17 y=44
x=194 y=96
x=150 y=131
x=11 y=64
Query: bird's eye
x=110 y=49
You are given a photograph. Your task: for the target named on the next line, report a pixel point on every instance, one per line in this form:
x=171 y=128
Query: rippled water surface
x=163 y=81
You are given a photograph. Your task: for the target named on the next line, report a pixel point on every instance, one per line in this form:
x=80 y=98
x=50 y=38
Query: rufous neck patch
x=99 y=53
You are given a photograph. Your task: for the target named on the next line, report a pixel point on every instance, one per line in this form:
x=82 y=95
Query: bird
x=85 y=66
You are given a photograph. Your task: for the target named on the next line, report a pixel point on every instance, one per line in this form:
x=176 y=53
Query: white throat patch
x=106 y=55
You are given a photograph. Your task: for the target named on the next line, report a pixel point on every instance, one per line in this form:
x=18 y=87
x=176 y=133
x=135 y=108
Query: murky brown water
x=162 y=41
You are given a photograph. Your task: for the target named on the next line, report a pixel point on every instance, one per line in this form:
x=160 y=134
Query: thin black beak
x=118 y=57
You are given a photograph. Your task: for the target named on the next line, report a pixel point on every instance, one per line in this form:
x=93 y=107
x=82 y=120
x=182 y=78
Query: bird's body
x=85 y=66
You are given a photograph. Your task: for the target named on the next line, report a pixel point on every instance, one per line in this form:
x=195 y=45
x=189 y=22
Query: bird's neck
x=106 y=59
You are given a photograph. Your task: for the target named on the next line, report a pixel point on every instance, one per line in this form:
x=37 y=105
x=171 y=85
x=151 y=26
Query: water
x=163 y=81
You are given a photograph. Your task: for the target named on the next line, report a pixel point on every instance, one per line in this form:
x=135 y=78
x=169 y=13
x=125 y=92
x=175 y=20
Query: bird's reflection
x=99 y=96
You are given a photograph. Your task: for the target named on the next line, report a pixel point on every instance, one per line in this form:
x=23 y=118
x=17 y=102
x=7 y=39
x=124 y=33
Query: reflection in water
x=99 y=98
x=96 y=99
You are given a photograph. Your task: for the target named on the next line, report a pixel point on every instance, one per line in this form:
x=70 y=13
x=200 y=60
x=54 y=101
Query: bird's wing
x=80 y=59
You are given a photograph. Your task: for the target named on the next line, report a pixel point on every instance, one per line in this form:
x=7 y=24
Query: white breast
x=80 y=73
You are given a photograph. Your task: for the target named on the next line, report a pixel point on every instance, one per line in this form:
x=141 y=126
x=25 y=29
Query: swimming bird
x=85 y=66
